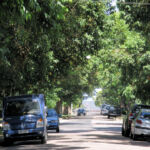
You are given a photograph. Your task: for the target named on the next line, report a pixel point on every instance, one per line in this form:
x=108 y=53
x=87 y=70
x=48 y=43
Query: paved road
x=85 y=133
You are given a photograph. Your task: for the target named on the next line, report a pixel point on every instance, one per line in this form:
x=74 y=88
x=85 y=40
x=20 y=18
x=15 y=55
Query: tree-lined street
x=65 y=50
x=86 y=133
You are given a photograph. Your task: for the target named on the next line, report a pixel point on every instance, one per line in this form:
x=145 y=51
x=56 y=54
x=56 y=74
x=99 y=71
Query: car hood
x=26 y=118
x=52 y=118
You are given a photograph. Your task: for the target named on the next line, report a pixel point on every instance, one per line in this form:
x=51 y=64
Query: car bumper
x=142 y=131
x=30 y=134
x=52 y=126
x=114 y=115
x=104 y=113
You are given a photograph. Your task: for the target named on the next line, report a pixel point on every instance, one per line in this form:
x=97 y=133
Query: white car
x=141 y=124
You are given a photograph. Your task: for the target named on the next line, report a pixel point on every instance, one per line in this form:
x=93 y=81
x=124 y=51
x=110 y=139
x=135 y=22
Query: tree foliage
x=45 y=45
x=119 y=76
x=42 y=42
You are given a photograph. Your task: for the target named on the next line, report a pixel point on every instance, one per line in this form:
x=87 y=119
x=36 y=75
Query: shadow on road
x=32 y=145
x=109 y=123
x=116 y=139
x=76 y=131
x=109 y=129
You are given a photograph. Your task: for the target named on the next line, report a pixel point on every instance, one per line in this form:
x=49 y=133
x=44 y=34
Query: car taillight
x=138 y=121
x=131 y=115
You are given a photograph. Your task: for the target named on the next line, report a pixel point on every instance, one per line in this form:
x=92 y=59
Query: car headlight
x=40 y=123
x=6 y=126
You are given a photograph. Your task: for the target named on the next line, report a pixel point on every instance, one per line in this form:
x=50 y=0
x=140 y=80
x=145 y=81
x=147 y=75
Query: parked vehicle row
x=110 y=111
x=136 y=123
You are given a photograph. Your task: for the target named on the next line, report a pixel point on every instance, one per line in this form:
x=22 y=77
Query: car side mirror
x=45 y=108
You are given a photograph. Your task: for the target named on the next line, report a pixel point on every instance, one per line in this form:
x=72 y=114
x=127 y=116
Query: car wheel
x=134 y=137
x=131 y=135
x=57 y=130
x=44 y=138
x=127 y=133
x=8 y=142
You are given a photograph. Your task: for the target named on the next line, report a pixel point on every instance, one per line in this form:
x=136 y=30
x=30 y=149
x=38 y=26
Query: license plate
x=23 y=131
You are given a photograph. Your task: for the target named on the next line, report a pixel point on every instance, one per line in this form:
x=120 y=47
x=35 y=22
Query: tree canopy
x=63 y=48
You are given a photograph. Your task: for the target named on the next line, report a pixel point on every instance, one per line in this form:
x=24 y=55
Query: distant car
x=114 y=111
x=128 y=117
x=105 y=110
x=101 y=108
x=141 y=124
x=81 y=111
x=52 y=120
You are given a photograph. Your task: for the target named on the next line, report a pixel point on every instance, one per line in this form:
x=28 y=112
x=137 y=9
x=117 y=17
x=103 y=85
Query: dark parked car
x=81 y=111
x=128 y=117
x=52 y=120
x=114 y=111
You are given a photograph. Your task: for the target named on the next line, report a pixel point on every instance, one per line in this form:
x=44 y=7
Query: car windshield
x=112 y=108
x=22 y=107
x=145 y=115
x=81 y=110
x=108 y=107
x=51 y=113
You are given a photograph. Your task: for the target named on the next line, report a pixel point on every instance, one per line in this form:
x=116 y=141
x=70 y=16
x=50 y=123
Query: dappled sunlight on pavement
x=86 y=133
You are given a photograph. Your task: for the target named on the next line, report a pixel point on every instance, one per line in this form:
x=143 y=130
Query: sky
x=114 y=3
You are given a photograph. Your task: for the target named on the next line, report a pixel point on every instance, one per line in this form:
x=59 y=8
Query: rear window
x=108 y=107
x=137 y=108
x=51 y=113
x=112 y=108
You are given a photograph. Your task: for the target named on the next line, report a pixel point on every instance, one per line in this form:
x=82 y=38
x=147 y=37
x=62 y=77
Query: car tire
x=44 y=138
x=134 y=137
x=122 y=131
x=127 y=133
x=57 y=130
x=8 y=142
x=131 y=135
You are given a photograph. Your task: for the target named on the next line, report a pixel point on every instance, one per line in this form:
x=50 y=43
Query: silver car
x=105 y=110
x=141 y=124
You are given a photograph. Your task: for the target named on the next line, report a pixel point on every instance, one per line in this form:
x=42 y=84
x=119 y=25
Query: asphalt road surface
x=91 y=132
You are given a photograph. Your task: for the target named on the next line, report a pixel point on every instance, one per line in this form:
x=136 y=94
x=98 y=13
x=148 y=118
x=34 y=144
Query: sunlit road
x=85 y=133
